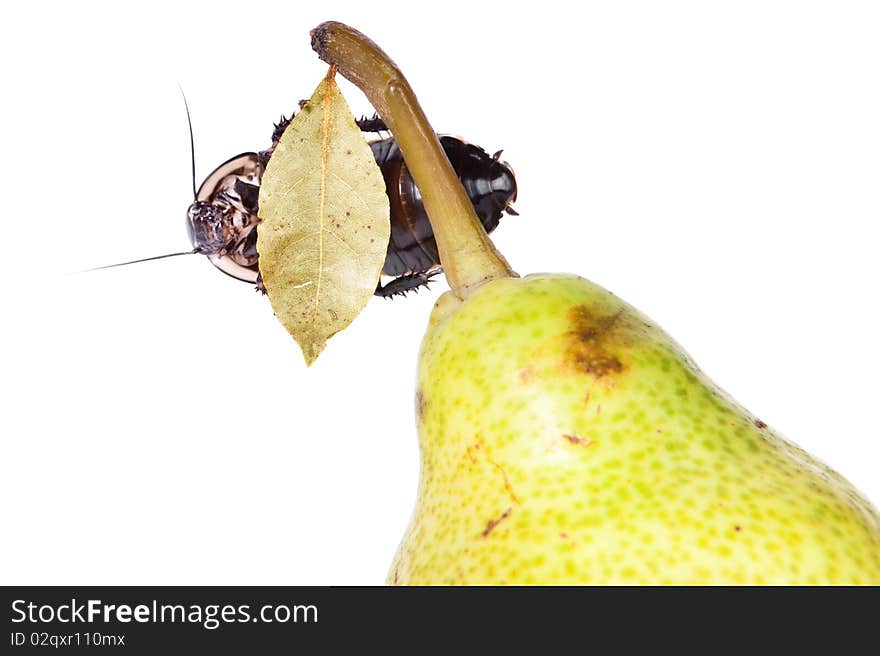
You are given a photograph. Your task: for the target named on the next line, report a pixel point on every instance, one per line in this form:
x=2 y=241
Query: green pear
x=566 y=439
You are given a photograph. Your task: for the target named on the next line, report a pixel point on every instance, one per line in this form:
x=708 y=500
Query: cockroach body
x=223 y=218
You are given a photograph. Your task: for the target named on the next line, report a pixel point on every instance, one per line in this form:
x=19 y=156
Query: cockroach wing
x=323 y=230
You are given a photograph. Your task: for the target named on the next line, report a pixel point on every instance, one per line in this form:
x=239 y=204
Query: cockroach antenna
x=192 y=153
x=192 y=141
x=145 y=259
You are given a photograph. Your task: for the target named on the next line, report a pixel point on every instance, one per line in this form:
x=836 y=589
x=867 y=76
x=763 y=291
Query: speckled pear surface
x=566 y=439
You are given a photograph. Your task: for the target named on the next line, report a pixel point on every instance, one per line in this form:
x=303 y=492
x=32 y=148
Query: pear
x=566 y=439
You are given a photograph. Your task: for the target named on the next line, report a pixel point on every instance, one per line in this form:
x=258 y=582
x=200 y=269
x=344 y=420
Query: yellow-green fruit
x=566 y=439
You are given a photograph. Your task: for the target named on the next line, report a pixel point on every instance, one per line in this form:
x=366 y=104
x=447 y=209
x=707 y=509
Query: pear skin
x=566 y=439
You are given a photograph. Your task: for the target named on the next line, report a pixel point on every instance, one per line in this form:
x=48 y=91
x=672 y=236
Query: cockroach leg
x=404 y=284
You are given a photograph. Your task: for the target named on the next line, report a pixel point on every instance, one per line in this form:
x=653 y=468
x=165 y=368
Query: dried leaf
x=324 y=225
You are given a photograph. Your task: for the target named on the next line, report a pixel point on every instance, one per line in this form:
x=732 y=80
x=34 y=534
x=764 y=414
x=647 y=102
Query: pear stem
x=468 y=256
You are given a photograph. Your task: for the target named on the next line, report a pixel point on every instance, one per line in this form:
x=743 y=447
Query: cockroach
x=222 y=219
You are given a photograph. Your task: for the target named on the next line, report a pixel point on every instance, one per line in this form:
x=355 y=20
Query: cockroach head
x=209 y=228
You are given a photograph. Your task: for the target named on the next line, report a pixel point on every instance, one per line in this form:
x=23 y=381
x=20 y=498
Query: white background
x=715 y=164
